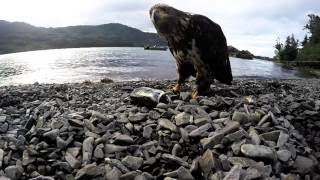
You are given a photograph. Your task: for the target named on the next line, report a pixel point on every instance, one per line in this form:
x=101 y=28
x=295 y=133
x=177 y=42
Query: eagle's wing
x=212 y=44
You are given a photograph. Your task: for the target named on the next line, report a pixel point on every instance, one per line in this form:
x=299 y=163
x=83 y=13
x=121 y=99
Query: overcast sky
x=248 y=24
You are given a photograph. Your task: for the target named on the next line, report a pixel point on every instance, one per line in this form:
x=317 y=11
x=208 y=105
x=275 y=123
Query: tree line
x=308 y=50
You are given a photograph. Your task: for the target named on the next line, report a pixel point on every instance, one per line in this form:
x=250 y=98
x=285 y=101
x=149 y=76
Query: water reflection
x=76 y=65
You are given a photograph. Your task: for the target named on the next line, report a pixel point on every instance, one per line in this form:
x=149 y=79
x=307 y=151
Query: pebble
x=183 y=119
x=132 y=162
x=258 y=151
x=167 y=124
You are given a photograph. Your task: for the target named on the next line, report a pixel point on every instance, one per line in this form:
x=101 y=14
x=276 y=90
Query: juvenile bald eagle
x=197 y=44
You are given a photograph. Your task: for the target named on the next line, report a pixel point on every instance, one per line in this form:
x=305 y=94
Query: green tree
x=288 y=51
x=313 y=26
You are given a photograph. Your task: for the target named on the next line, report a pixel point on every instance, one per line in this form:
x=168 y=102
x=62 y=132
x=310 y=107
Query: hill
x=19 y=36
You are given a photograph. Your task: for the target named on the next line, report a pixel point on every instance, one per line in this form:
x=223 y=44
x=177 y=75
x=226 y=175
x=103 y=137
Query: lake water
x=119 y=64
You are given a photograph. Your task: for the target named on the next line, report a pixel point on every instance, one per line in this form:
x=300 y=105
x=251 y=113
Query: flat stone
x=231 y=126
x=3 y=119
x=72 y=161
x=240 y=117
x=167 y=124
x=176 y=149
x=118 y=164
x=201 y=131
x=242 y=161
x=129 y=175
x=183 y=119
x=184 y=174
x=115 y=173
x=303 y=164
x=52 y=135
x=76 y=122
x=74 y=151
x=284 y=155
x=1 y=157
x=283 y=138
x=253 y=134
x=175 y=159
x=89 y=171
x=234 y=173
x=14 y=172
x=236 y=136
x=207 y=102
x=202 y=121
x=147 y=132
x=4 y=127
x=123 y=139
x=87 y=148
x=208 y=163
x=132 y=162
x=270 y=136
x=137 y=117
x=252 y=173
x=111 y=148
x=26 y=158
x=99 y=151
x=258 y=151
x=210 y=142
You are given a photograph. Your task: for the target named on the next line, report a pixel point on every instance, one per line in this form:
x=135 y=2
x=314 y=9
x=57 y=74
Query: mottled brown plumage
x=198 y=45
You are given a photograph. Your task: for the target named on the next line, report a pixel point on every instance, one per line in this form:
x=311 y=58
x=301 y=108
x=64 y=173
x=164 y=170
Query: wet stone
x=146 y=96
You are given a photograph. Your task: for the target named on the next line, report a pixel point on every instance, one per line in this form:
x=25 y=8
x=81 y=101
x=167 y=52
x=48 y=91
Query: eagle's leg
x=202 y=82
x=184 y=71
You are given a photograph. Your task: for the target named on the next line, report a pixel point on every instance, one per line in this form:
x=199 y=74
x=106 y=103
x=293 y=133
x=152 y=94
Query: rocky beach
x=254 y=129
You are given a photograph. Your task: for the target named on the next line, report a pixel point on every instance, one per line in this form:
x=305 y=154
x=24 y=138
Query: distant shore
x=254 y=128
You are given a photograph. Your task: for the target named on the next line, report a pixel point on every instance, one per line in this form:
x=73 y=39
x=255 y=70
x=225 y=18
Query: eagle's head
x=167 y=20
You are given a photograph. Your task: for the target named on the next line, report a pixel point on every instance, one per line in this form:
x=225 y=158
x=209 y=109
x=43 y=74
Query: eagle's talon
x=195 y=94
x=176 y=88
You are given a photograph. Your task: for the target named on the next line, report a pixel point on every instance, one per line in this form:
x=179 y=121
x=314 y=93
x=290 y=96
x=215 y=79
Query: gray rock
x=283 y=138
x=14 y=172
x=137 y=117
x=210 y=142
x=99 y=151
x=258 y=151
x=253 y=134
x=118 y=164
x=167 y=124
x=234 y=173
x=270 y=136
x=114 y=174
x=174 y=159
x=231 y=126
x=52 y=135
x=87 y=148
x=252 y=173
x=1 y=157
x=202 y=121
x=89 y=171
x=176 y=149
x=132 y=162
x=284 y=155
x=146 y=96
x=208 y=163
x=184 y=174
x=129 y=175
x=123 y=139
x=224 y=114
x=236 y=136
x=26 y=158
x=242 y=161
x=185 y=96
x=201 y=131
x=303 y=164
x=240 y=117
x=183 y=119
x=207 y=102
x=3 y=119
x=72 y=161
x=147 y=132
x=111 y=148
x=4 y=127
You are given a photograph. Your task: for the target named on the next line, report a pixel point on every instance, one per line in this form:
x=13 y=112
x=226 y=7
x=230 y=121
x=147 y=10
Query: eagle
x=197 y=44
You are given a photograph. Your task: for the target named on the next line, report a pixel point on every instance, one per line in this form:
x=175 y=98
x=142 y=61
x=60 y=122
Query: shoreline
x=254 y=128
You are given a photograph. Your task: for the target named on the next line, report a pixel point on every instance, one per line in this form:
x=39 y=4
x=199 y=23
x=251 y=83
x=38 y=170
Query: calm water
x=77 y=65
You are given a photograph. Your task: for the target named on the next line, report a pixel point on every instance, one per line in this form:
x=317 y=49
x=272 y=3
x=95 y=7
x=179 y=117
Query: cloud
x=248 y=24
